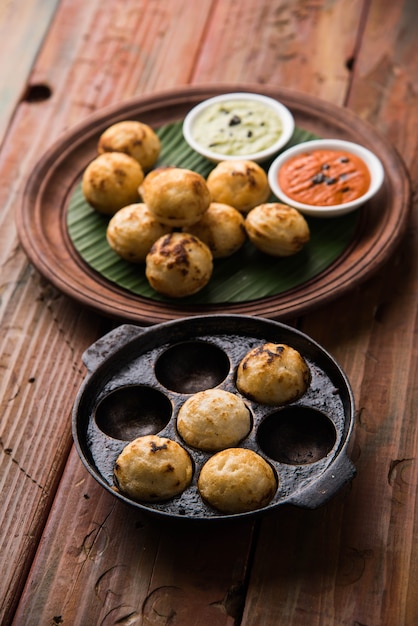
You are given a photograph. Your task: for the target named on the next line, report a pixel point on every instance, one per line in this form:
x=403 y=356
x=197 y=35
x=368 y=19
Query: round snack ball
x=134 y=138
x=221 y=228
x=178 y=197
x=213 y=419
x=178 y=265
x=132 y=231
x=277 y=229
x=273 y=374
x=237 y=480
x=111 y=182
x=242 y=184
x=152 y=469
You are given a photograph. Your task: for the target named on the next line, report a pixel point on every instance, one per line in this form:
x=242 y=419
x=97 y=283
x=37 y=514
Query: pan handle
x=323 y=488
x=109 y=343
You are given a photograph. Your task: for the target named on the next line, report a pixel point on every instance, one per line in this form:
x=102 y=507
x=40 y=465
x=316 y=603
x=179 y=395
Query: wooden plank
x=40 y=345
x=96 y=79
x=89 y=60
x=22 y=29
x=109 y=562
x=307 y=46
x=43 y=335
x=98 y=54
x=354 y=562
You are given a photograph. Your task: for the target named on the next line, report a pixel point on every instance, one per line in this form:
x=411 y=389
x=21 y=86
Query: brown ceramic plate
x=42 y=216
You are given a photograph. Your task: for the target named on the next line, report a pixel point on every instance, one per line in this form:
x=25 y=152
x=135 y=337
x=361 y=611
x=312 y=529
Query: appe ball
x=241 y=184
x=153 y=469
x=177 y=196
x=134 y=138
x=213 y=419
x=273 y=374
x=132 y=231
x=111 y=182
x=237 y=480
x=178 y=265
x=221 y=228
x=277 y=229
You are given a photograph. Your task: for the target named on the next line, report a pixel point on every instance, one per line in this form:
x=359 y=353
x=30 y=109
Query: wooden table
x=70 y=552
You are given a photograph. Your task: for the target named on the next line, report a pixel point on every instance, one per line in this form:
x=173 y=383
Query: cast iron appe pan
x=138 y=378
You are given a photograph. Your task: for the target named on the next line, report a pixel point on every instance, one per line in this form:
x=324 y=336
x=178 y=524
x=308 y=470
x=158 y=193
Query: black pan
x=139 y=377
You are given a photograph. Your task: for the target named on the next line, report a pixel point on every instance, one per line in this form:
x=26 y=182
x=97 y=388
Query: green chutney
x=237 y=127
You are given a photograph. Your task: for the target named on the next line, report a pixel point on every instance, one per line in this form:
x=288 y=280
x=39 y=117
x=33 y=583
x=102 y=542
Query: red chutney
x=324 y=177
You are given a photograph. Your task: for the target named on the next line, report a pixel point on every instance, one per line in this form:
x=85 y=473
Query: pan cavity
x=297 y=435
x=133 y=411
x=192 y=366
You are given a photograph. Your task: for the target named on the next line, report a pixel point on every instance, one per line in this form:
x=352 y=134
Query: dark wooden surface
x=71 y=554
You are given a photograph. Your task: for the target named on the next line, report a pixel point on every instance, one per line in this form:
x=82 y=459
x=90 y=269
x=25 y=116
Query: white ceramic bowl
x=278 y=109
x=373 y=164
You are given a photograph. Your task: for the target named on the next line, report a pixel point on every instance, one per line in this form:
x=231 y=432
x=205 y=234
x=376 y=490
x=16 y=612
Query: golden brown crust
x=237 y=480
x=221 y=228
x=213 y=419
x=178 y=265
x=134 y=138
x=178 y=197
x=273 y=374
x=111 y=182
x=242 y=184
x=152 y=469
x=277 y=229
x=132 y=231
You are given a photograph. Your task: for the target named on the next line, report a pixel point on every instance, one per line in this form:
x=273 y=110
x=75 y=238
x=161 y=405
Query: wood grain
x=363 y=548
x=43 y=334
x=305 y=45
x=352 y=561
x=22 y=28
x=127 y=568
